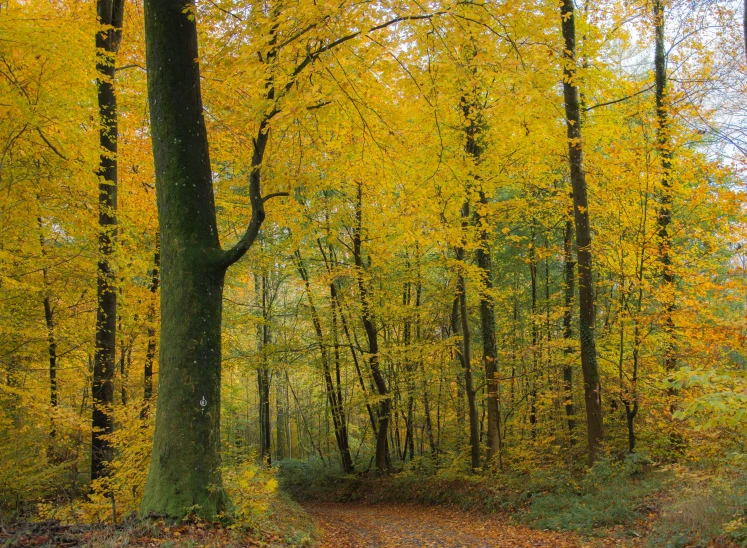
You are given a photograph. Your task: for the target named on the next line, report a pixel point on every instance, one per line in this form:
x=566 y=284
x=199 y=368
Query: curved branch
x=232 y=255
x=275 y=195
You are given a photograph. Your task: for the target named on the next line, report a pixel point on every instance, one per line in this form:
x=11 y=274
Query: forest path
x=362 y=526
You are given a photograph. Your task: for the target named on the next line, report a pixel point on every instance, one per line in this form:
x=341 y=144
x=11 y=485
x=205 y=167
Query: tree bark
x=110 y=14
x=535 y=337
x=489 y=347
x=184 y=476
x=150 y=353
x=465 y=353
x=587 y=335
x=263 y=372
x=51 y=343
x=664 y=218
x=570 y=282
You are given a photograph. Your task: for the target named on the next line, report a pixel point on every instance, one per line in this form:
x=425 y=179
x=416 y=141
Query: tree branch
x=312 y=56
x=275 y=195
x=50 y=145
x=125 y=67
x=232 y=255
x=644 y=90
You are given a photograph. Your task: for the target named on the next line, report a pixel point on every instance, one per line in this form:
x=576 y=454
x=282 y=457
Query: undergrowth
x=612 y=493
x=672 y=506
x=704 y=507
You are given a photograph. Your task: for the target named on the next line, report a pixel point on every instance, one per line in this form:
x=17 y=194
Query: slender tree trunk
x=421 y=363
x=52 y=348
x=456 y=331
x=356 y=363
x=409 y=367
x=631 y=402
x=150 y=353
x=664 y=219
x=369 y=325
x=428 y=420
x=630 y=397
x=265 y=430
x=535 y=337
x=570 y=282
x=334 y=393
x=110 y=14
x=263 y=373
x=474 y=425
x=342 y=416
x=587 y=335
x=465 y=355
x=489 y=347
x=51 y=344
x=123 y=369
x=282 y=417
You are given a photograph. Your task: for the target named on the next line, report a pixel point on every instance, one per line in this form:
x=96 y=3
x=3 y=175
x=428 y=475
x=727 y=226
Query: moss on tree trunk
x=184 y=476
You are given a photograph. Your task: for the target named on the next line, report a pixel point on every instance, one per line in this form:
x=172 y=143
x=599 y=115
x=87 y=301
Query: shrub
x=609 y=494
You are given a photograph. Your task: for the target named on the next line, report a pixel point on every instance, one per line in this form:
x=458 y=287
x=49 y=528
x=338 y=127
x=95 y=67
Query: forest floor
x=352 y=525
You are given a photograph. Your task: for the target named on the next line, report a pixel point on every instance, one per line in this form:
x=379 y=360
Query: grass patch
x=609 y=494
x=704 y=508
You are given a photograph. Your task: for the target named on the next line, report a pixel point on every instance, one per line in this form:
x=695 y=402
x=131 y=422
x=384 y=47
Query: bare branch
x=125 y=67
x=644 y=90
x=275 y=195
x=50 y=145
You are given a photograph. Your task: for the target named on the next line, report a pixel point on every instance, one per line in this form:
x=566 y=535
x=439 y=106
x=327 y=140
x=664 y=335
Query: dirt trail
x=363 y=526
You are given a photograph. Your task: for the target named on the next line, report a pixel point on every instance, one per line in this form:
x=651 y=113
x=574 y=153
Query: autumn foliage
x=411 y=302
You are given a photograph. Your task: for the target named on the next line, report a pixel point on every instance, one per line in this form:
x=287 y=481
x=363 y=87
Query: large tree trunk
x=110 y=14
x=587 y=335
x=185 y=463
x=184 y=475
